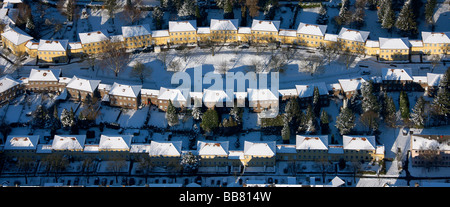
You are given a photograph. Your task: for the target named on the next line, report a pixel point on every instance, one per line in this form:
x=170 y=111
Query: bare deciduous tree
x=140 y=71
x=114 y=56
x=132 y=10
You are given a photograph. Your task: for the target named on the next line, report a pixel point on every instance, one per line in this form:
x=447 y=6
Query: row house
x=21 y=146
x=216 y=98
x=262 y=99
x=94 y=42
x=53 y=51
x=351 y=86
x=179 y=98
x=137 y=36
x=45 y=80
x=165 y=153
x=433 y=80
x=14 y=39
x=149 y=96
x=223 y=30
x=306 y=93
x=435 y=43
x=430 y=150
x=353 y=40
x=9 y=88
x=264 y=31
x=311 y=35
x=160 y=37
x=125 y=96
x=394 y=49
x=80 y=88
x=395 y=79
x=183 y=32
x=287 y=36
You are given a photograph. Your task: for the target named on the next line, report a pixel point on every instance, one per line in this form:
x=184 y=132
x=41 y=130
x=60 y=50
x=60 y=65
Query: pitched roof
x=115 y=142
x=244 y=30
x=6 y=82
x=68 y=142
x=265 y=25
x=261 y=95
x=262 y=148
x=136 y=30
x=308 y=142
x=358 y=142
x=149 y=92
x=394 y=43
x=21 y=142
x=165 y=148
x=308 y=90
x=125 y=90
x=83 y=84
x=351 y=84
x=16 y=36
x=203 y=30
x=44 y=75
x=312 y=29
x=433 y=79
x=53 y=45
x=182 y=26
x=353 y=35
x=215 y=96
x=171 y=94
x=288 y=32
x=396 y=74
x=331 y=37
x=224 y=24
x=436 y=37
x=90 y=37
x=160 y=33
x=372 y=43
x=212 y=148
x=430 y=141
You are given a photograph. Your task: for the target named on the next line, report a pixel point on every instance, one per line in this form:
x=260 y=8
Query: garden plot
x=108 y=114
x=130 y=118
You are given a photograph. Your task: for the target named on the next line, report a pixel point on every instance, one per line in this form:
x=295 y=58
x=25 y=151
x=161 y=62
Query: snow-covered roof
x=171 y=94
x=53 y=45
x=6 y=82
x=75 y=45
x=219 y=148
x=353 y=35
x=311 y=142
x=160 y=33
x=183 y=26
x=351 y=84
x=13 y=1
x=44 y=75
x=262 y=148
x=426 y=142
x=21 y=142
x=203 y=30
x=68 y=142
x=16 y=36
x=433 y=79
x=416 y=43
x=9 y=15
x=32 y=45
x=420 y=79
x=288 y=32
x=90 y=37
x=125 y=90
x=394 y=43
x=83 y=84
x=336 y=182
x=358 y=142
x=288 y=92
x=396 y=74
x=308 y=90
x=261 y=95
x=115 y=142
x=372 y=43
x=244 y=30
x=136 y=30
x=149 y=92
x=436 y=37
x=140 y=148
x=331 y=37
x=334 y=86
x=214 y=96
x=224 y=24
x=265 y=25
x=312 y=29
x=286 y=148
x=103 y=86
x=165 y=148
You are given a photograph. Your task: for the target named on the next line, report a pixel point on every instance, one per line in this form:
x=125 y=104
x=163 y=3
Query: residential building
x=433 y=80
x=351 y=86
x=264 y=31
x=183 y=32
x=149 y=96
x=94 y=42
x=53 y=51
x=217 y=98
x=45 y=80
x=311 y=35
x=394 y=49
x=362 y=148
x=137 y=36
x=306 y=93
x=178 y=98
x=14 y=39
x=259 y=154
x=125 y=96
x=17 y=146
x=395 y=79
x=262 y=99
x=80 y=88
x=311 y=147
x=212 y=153
x=9 y=88
x=436 y=43
x=354 y=40
x=165 y=154
x=430 y=150
x=224 y=30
